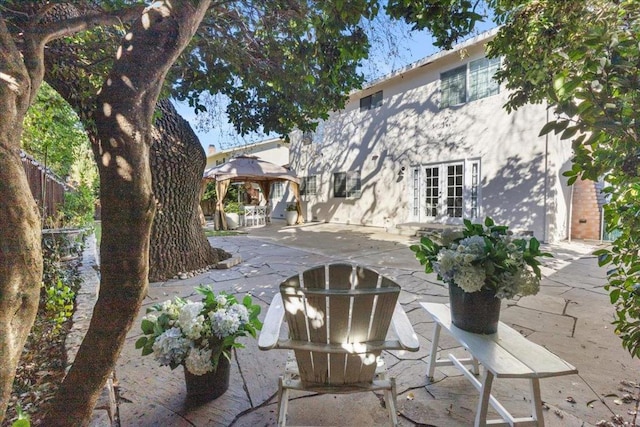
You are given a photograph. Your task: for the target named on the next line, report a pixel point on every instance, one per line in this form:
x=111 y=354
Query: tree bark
x=178 y=243
x=20 y=245
x=123 y=124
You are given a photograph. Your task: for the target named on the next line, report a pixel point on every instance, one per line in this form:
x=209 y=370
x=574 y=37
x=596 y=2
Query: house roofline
x=485 y=36
x=251 y=145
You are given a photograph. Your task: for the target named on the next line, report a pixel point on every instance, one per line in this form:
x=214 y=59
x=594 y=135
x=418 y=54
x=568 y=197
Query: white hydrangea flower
x=151 y=317
x=170 y=347
x=470 y=278
x=190 y=320
x=172 y=308
x=198 y=362
x=221 y=300
x=224 y=323
x=242 y=313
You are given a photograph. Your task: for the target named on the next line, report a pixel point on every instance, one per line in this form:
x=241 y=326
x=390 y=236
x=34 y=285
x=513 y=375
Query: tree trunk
x=123 y=123
x=178 y=243
x=20 y=245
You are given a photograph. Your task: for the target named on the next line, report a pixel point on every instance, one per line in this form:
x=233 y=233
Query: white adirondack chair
x=338 y=317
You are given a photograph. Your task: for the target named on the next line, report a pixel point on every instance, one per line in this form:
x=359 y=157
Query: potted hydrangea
x=199 y=335
x=481 y=265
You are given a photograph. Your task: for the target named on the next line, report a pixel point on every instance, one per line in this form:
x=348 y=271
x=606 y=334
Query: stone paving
x=570 y=316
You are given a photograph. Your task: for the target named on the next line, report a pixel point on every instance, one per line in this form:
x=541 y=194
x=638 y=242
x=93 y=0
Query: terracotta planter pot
x=477 y=312
x=210 y=386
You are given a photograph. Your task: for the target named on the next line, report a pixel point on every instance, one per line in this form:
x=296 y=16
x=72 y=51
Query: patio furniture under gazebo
x=252 y=169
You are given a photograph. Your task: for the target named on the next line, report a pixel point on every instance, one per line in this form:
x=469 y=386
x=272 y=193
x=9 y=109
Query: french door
x=443 y=193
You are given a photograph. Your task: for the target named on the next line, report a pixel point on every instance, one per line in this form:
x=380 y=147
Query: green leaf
x=547 y=128
x=534 y=245
x=147 y=326
x=614 y=295
x=141 y=342
x=569 y=132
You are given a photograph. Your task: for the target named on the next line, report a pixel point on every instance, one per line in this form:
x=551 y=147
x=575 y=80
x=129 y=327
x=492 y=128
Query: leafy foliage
x=590 y=76
x=53 y=133
x=78 y=207
x=60 y=303
x=280 y=65
x=197 y=334
x=59 y=281
x=483 y=256
x=447 y=20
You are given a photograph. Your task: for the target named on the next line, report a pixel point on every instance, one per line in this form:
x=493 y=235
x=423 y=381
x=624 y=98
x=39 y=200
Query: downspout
x=570 y=213
x=545 y=221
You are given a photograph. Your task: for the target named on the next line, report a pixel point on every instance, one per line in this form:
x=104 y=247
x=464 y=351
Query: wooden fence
x=47 y=189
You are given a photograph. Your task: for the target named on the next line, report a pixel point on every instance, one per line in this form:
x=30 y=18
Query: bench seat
x=505 y=354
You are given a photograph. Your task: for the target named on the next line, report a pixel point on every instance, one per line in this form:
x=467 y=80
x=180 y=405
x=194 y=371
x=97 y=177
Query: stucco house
x=431 y=144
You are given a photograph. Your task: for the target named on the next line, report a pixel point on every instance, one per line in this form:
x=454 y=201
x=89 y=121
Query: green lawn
x=209 y=232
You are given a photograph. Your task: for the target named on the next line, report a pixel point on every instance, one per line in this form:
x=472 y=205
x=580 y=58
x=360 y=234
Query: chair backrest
x=338 y=317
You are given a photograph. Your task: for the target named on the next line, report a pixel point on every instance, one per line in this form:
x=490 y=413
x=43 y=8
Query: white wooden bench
x=505 y=354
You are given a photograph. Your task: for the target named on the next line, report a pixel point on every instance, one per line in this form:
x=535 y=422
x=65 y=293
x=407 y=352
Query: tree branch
x=67 y=27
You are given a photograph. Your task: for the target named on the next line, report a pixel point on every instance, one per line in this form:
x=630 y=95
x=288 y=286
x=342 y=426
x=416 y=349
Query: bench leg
x=483 y=403
x=431 y=366
x=536 y=402
x=476 y=366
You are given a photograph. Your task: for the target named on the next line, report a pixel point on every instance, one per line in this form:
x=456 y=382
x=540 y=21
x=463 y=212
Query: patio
x=570 y=317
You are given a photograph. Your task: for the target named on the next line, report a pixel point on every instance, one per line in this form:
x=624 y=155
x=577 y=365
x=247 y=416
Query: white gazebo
x=251 y=169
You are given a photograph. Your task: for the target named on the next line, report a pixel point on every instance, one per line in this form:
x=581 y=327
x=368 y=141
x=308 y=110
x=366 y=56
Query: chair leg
x=390 y=400
x=283 y=403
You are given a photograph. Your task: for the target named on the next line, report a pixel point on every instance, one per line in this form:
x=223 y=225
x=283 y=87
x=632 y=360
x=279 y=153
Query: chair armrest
x=403 y=329
x=272 y=322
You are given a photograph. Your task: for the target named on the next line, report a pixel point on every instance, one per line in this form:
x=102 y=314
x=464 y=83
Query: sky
x=413 y=46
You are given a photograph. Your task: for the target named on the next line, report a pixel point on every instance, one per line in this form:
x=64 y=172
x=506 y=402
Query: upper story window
x=469 y=82
x=346 y=184
x=316 y=136
x=308 y=185
x=372 y=101
x=453 y=87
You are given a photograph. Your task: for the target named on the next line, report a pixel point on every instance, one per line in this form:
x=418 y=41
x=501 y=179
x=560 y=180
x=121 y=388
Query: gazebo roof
x=247 y=168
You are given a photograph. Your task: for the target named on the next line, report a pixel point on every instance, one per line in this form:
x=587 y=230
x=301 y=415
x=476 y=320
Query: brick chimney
x=211 y=150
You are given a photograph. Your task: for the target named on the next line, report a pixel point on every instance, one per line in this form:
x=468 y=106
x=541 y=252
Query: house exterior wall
x=519 y=173
x=275 y=151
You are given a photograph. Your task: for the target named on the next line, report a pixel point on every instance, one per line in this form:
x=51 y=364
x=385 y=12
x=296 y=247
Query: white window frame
x=477 y=79
x=304 y=185
x=352 y=185
x=371 y=101
x=277 y=190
